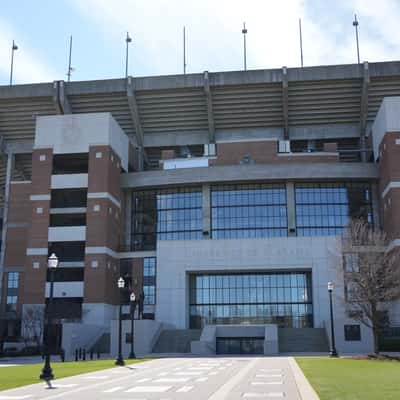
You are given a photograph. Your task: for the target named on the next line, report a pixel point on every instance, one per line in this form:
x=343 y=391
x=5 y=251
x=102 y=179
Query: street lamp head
x=52 y=261
x=121 y=282
x=133 y=297
x=331 y=286
x=128 y=38
x=14 y=46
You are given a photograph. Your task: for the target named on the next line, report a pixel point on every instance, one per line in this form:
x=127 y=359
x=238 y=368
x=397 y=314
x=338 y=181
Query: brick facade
x=266 y=152
x=103 y=225
x=389 y=170
x=36 y=265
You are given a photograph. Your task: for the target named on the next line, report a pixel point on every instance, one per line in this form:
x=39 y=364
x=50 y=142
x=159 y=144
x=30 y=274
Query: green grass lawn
x=12 y=377
x=346 y=379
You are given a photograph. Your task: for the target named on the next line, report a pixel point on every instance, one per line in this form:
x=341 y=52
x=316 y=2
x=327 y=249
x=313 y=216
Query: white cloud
x=28 y=68
x=215 y=39
x=213 y=27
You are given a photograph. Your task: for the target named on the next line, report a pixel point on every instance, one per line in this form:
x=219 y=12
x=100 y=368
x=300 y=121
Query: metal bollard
x=76 y=355
x=84 y=355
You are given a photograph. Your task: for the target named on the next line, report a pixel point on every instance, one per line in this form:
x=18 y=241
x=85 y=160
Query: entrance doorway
x=240 y=345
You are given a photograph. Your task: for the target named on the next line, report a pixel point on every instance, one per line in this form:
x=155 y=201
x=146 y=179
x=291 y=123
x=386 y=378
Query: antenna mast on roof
x=355 y=24
x=13 y=48
x=301 y=44
x=127 y=40
x=70 y=68
x=244 y=31
x=184 y=50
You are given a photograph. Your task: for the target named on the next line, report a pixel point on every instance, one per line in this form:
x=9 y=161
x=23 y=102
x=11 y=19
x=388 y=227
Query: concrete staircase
x=301 y=340
x=176 y=340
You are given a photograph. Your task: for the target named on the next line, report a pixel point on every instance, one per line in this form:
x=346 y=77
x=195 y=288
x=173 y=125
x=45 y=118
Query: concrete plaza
x=214 y=378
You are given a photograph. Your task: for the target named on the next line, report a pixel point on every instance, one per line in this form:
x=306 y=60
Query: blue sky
x=41 y=29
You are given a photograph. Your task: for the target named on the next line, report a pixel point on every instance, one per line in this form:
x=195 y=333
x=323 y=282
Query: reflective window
x=179 y=214
x=13 y=278
x=326 y=208
x=144 y=225
x=12 y=291
x=259 y=298
x=248 y=211
x=352 y=333
x=11 y=303
x=149 y=280
x=165 y=215
x=351 y=262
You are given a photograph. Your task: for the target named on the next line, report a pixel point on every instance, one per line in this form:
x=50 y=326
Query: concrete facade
x=320 y=255
x=109 y=211
x=76 y=133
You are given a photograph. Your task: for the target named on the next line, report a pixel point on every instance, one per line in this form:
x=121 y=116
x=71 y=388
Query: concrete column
x=206 y=211
x=375 y=205
x=10 y=166
x=291 y=208
x=271 y=341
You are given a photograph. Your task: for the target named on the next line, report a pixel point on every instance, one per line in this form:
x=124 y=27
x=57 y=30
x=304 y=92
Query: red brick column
x=103 y=226
x=37 y=243
x=19 y=214
x=389 y=171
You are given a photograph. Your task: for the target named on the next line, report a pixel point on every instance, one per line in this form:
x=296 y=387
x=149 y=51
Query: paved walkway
x=214 y=378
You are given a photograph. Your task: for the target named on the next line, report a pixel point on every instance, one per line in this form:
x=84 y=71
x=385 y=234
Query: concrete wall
x=146 y=333
x=387 y=120
x=75 y=133
x=98 y=313
x=69 y=181
x=67 y=233
x=320 y=255
x=78 y=335
x=257 y=172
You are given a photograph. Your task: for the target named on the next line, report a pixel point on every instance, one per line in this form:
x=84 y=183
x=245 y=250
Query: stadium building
x=220 y=199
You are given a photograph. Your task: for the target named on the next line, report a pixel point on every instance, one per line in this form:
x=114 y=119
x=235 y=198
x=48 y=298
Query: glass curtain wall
x=248 y=211
x=149 y=280
x=169 y=214
x=279 y=298
x=12 y=292
x=326 y=208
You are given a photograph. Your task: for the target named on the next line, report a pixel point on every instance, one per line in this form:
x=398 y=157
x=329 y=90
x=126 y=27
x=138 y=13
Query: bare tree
x=33 y=324
x=372 y=276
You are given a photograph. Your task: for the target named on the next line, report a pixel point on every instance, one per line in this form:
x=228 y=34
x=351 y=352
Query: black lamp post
x=332 y=352
x=120 y=360
x=133 y=307
x=47 y=373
